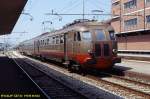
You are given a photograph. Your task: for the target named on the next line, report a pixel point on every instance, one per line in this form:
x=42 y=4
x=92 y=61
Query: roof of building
x=10 y=11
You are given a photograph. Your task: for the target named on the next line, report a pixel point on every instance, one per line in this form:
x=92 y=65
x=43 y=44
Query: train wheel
x=70 y=69
x=83 y=70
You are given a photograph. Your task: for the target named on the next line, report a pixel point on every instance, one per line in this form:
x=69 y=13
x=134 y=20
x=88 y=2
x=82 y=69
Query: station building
x=131 y=21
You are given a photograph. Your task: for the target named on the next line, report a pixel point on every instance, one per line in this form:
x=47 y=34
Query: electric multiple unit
x=80 y=45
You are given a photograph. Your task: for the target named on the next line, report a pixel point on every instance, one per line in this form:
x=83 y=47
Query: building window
x=148 y=19
x=130 y=4
x=147 y=1
x=116 y=3
x=131 y=22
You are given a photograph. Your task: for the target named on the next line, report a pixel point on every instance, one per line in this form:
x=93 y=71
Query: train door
x=82 y=43
x=76 y=43
x=36 y=47
x=70 y=44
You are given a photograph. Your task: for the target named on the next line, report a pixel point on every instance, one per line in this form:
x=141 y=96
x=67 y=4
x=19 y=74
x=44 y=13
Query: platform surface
x=135 y=66
x=135 y=55
x=13 y=81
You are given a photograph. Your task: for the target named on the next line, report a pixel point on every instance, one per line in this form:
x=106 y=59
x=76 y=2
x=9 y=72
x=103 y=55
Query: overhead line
x=87 y=14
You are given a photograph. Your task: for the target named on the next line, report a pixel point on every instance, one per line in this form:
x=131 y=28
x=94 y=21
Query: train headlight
x=91 y=53
x=115 y=51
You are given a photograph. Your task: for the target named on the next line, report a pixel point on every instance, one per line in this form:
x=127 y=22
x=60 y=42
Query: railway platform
x=131 y=56
x=134 y=68
x=15 y=83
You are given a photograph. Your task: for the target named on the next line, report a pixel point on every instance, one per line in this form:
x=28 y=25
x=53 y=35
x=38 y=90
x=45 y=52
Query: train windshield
x=100 y=35
x=86 y=36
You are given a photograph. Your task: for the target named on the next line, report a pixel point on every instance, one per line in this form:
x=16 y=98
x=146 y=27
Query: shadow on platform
x=14 y=81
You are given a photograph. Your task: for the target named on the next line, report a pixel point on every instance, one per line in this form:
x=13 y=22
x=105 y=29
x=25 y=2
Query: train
x=83 y=44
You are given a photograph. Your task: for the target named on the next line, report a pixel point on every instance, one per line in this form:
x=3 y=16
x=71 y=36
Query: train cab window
x=100 y=35
x=86 y=36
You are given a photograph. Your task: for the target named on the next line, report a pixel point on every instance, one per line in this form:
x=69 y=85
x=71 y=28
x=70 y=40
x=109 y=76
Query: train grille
x=97 y=50
x=106 y=50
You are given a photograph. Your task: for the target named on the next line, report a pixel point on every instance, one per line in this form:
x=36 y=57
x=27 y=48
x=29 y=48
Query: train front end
x=103 y=53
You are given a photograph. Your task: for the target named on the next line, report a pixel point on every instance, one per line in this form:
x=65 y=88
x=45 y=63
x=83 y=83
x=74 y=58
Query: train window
x=57 y=40
x=47 y=41
x=75 y=37
x=86 y=36
x=38 y=42
x=78 y=36
x=53 y=40
x=61 y=39
x=42 y=42
x=100 y=35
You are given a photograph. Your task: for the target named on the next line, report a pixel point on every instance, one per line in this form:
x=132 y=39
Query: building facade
x=131 y=21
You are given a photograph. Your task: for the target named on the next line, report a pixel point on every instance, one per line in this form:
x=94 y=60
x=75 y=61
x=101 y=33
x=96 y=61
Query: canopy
x=10 y=11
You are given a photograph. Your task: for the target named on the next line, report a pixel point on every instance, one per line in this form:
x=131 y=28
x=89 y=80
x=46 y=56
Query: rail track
x=120 y=85
x=131 y=83
x=139 y=77
x=128 y=87
x=51 y=87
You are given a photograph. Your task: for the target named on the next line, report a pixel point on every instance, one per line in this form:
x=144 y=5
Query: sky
x=29 y=26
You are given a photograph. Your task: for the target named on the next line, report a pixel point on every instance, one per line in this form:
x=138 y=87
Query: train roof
x=77 y=25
